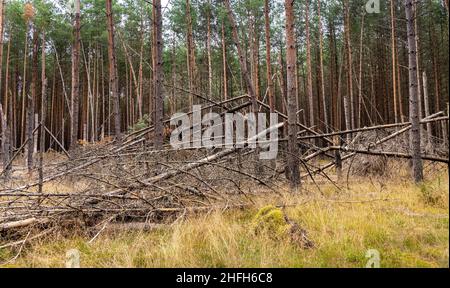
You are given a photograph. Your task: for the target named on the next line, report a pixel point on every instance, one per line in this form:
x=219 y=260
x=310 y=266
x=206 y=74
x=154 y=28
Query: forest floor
x=407 y=224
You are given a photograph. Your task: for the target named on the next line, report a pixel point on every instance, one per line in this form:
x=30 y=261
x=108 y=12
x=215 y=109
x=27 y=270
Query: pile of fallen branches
x=134 y=184
x=131 y=182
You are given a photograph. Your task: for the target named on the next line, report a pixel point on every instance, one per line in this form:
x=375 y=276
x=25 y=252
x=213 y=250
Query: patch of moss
x=271 y=220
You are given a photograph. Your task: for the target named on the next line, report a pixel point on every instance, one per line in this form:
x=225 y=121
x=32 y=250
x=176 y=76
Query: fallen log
x=381 y=141
x=211 y=158
x=366 y=129
x=389 y=154
x=18 y=224
x=298 y=124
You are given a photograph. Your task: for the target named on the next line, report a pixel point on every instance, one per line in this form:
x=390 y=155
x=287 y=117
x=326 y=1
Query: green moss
x=272 y=220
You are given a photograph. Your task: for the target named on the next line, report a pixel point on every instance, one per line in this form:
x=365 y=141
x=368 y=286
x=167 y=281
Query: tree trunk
x=291 y=58
x=2 y=12
x=5 y=141
x=224 y=63
x=113 y=79
x=31 y=102
x=245 y=73
x=417 y=165
x=43 y=115
x=22 y=86
x=437 y=81
x=419 y=75
x=2 y=127
x=75 y=97
x=140 y=75
x=394 y=62
x=192 y=73
x=322 y=77
x=309 y=68
x=270 y=91
x=158 y=75
x=208 y=48
x=7 y=115
x=348 y=98
x=242 y=60
x=282 y=83
x=254 y=50
x=426 y=103
x=360 y=84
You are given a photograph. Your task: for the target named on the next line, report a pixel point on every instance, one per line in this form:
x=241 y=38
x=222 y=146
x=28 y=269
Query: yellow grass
x=407 y=224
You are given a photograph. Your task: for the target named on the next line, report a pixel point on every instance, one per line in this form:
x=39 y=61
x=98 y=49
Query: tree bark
x=31 y=102
x=322 y=77
x=140 y=75
x=2 y=12
x=270 y=91
x=360 y=84
x=192 y=70
x=208 y=48
x=22 y=86
x=394 y=62
x=75 y=97
x=158 y=75
x=309 y=68
x=427 y=112
x=242 y=60
x=113 y=79
x=282 y=83
x=291 y=58
x=224 y=63
x=419 y=75
x=3 y=155
x=417 y=165
x=348 y=98
x=254 y=47
x=43 y=115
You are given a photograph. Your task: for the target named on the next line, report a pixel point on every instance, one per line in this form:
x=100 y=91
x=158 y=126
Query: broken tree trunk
x=389 y=154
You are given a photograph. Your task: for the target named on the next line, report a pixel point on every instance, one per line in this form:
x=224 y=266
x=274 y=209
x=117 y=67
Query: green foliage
x=140 y=124
x=270 y=220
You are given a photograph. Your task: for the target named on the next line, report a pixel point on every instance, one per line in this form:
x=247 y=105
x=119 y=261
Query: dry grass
x=408 y=224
